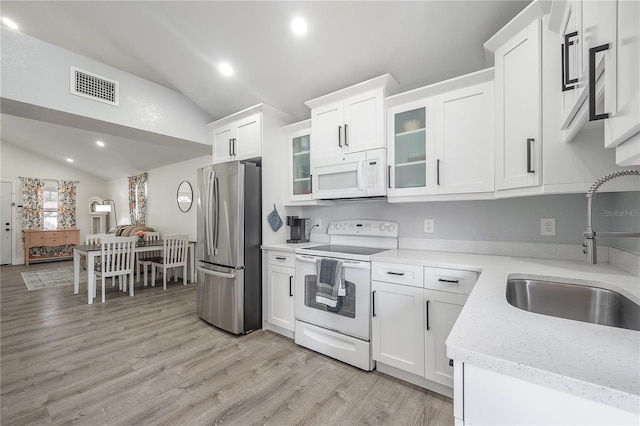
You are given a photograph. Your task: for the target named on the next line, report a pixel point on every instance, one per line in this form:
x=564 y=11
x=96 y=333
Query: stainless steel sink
x=576 y=302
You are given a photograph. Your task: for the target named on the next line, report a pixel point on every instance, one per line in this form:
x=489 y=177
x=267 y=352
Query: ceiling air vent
x=93 y=86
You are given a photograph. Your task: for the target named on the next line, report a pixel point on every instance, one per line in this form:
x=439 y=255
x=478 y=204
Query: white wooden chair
x=143 y=259
x=116 y=260
x=174 y=255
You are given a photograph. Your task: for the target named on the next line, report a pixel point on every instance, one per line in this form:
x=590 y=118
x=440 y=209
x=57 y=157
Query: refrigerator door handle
x=231 y=275
x=216 y=195
x=207 y=213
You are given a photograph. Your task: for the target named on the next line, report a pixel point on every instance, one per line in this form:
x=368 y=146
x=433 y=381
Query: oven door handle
x=346 y=264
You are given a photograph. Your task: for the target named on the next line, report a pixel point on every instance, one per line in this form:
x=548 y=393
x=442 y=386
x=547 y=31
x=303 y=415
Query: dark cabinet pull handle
x=340 y=136
x=373 y=303
x=592 y=83
x=438 y=171
x=442 y=280
x=311 y=184
x=346 y=141
x=450 y=363
x=428 y=327
x=234 y=146
x=290 y=286
x=566 y=75
x=529 y=149
x=281 y=258
x=230 y=154
x=389 y=176
x=395 y=273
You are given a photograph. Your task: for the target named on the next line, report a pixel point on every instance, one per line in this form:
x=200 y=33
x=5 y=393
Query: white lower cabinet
x=412 y=319
x=398 y=326
x=491 y=398
x=280 y=273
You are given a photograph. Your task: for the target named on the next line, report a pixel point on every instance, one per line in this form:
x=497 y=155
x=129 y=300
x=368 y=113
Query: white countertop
x=597 y=362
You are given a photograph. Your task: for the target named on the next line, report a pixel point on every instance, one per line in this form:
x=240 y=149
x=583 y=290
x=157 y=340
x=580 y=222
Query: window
x=50 y=204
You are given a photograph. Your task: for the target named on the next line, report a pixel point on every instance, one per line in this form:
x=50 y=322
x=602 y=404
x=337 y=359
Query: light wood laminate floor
x=149 y=359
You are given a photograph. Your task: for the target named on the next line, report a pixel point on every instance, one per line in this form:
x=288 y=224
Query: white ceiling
x=178 y=44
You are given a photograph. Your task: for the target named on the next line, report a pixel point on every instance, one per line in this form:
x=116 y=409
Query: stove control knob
x=383 y=226
x=337 y=226
x=332 y=226
x=391 y=228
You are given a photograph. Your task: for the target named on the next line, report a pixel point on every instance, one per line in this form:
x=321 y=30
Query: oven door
x=352 y=314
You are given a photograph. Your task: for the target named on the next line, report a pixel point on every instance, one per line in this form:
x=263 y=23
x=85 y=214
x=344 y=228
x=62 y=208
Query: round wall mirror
x=185 y=196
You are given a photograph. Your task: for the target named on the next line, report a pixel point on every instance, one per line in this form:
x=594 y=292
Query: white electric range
x=342 y=332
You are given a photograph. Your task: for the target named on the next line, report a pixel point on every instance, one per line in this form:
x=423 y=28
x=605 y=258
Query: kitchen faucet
x=590 y=234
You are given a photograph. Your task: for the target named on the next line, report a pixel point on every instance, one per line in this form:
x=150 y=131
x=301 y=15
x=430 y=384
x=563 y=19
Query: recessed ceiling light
x=9 y=23
x=99 y=143
x=225 y=69
x=70 y=160
x=299 y=26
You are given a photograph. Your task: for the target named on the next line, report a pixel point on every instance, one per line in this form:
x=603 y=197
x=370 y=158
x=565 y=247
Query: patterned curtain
x=66 y=204
x=32 y=204
x=138 y=199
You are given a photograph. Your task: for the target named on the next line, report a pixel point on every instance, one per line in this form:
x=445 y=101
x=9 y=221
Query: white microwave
x=354 y=175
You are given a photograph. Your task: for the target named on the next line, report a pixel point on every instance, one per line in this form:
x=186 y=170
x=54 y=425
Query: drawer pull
x=450 y=363
x=373 y=303
x=290 y=286
x=428 y=327
x=442 y=280
x=395 y=273
x=281 y=258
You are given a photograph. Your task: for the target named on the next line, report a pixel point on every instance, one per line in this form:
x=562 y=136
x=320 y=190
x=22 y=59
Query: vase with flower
x=141 y=235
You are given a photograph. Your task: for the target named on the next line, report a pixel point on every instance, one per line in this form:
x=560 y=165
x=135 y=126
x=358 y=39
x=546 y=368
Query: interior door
x=5 y=221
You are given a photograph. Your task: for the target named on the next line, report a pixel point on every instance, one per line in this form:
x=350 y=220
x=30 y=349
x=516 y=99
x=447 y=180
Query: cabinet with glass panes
x=408 y=151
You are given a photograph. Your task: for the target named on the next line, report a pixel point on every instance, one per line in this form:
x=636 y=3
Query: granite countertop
x=597 y=362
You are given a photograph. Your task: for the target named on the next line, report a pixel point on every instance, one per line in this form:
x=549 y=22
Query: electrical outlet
x=428 y=226
x=319 y=224
x=548 y=226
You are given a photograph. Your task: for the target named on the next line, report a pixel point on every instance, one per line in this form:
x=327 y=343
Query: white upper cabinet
x=238 y=140
x=518 y=110
x=464 y=140
x=350 y=120
x=601 y=73
x=441 y=140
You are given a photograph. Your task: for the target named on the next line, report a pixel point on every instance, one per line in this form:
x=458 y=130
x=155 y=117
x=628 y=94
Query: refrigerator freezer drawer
x=220 y=298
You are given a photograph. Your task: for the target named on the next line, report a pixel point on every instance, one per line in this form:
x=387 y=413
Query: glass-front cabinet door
x=409 y=139
x=298 y=139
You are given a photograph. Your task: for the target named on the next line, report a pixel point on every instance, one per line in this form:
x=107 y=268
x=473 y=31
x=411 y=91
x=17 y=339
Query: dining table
x=92 y=251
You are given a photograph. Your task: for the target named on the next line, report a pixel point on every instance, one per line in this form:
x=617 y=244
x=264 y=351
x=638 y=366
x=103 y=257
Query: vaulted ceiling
x=179 y=44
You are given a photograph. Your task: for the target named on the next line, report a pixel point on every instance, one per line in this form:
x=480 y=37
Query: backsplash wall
x=513 y=219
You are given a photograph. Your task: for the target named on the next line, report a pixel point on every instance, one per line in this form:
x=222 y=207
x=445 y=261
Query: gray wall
x=625 y=216
x=513 y=219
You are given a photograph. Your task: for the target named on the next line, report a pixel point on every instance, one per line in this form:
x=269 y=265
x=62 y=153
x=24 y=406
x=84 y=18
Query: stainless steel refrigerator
x=228 y=256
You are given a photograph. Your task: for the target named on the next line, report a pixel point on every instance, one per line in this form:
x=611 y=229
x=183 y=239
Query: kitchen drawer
x=283 y=258
x=397 y=273
x=449 y=280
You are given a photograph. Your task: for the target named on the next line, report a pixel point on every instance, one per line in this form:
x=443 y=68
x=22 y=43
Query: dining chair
x=116 y=260
x=174 y=255
x=90 y=240
x=143 y=258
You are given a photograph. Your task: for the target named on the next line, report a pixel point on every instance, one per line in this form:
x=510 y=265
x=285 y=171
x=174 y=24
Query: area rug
x=48 y=278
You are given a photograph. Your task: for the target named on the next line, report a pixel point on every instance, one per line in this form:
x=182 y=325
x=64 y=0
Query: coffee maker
x=300 y=229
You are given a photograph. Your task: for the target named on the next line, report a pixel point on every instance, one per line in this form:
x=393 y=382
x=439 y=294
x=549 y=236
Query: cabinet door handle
x=340 y=136
x=373 y=303
x=346 y=141
x=592 y=83
x=281 y=258
x=450 y=363
x=395 y=273
x=311 y=184
x=566 y=75
x=428 y=327
x=529 y=150
x=389 y=176
x=438 y=171
x=234 y=146
x=230 y=154
x=290 y=286
x=442 y=280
